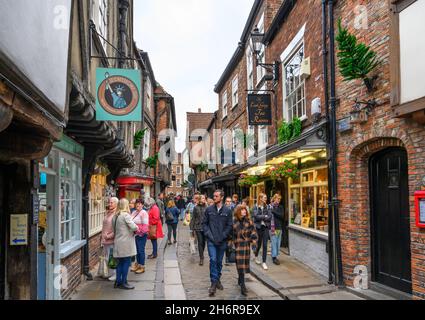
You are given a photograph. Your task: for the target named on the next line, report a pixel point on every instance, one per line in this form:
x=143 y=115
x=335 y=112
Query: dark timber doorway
x=390 y=226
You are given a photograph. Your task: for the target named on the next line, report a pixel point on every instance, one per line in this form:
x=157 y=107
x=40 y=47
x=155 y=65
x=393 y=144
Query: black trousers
x=263 y=238
x=172 y=227
x=201 y=243
x=241 y=278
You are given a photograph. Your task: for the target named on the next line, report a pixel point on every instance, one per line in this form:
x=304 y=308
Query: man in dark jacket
x=217 y=226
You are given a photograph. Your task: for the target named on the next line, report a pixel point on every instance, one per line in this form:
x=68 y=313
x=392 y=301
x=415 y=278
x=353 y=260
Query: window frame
x=146 y=144
x=224 y=102
x=235 y=91
x=407 y=108
x=260 y=71
x=103 y=7
x=286 y=111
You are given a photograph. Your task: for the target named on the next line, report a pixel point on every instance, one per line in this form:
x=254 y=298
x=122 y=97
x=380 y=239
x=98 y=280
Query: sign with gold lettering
x=260 y=109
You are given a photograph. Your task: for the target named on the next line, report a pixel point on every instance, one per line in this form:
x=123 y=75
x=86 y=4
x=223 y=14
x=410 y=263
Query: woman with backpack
x=244 y=236
x=141 y=219
x=172 y=219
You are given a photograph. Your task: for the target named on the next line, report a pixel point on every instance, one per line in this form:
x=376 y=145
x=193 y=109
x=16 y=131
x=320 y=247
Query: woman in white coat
x=124 y=243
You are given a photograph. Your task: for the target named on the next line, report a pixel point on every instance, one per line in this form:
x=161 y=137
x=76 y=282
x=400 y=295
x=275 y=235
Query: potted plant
x=284 y=170
x=356 y=59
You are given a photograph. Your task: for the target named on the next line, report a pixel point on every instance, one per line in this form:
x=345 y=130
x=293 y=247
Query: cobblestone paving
x=196 y=279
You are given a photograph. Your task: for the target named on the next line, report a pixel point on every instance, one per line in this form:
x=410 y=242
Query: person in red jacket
x=155 y=226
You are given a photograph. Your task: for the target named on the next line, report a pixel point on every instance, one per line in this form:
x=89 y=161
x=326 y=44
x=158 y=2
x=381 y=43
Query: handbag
x=186 y=221
x=113 y=262
x=232 y=254
x=103 y=267
x=152 y=232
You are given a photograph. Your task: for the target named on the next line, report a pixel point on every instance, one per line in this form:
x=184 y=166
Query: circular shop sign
x=118 y=95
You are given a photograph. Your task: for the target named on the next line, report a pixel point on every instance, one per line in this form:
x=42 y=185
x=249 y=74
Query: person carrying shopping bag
x=107 y=239
x=262 y=218
x=141 y=219
x=244 y=236
x=124 y=244
x=155 y=226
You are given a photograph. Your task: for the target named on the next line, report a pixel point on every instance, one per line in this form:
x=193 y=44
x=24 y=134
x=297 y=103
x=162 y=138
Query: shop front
x=133 y=187
x=59 y=228
x=299 y=173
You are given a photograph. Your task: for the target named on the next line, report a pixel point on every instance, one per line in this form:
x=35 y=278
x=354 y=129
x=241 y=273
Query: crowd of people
x=227 y=227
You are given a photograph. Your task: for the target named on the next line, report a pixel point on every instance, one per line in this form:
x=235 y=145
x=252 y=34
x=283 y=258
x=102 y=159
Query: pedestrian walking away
x=196 y=226
x=276 y=226
x=172 y=220
x=181 y=206
x=161 y=205
x=229 y=203
x=124 y=243
x=244 y=236
x=141 y=219
x=107 y=240
x=262 y=218
x=217 y=225
x=155 y=226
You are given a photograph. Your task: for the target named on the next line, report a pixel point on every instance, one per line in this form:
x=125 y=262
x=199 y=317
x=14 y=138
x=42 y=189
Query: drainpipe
x=334 y=174
x=328 y=137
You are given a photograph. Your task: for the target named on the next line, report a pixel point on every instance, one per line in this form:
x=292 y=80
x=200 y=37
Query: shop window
x=308 y=200
x=70 y=199
x=97 y=204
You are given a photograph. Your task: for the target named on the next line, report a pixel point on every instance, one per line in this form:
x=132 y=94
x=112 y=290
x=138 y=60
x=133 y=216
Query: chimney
x=199 y=110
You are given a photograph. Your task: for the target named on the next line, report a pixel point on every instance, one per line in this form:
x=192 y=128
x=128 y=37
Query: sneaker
x=113 y=278
x=169 y=243
x=126 y=286
x=265 y=266
x=276 y=261
x=134 y=267
x=257 y=260
x=151 y=256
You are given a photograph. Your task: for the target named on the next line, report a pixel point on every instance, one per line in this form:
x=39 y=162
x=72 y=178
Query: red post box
x=420 y=208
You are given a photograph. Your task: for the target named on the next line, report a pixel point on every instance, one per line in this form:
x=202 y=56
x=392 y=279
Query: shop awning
x=225 y=177
x=206 y=183
x=132 y=181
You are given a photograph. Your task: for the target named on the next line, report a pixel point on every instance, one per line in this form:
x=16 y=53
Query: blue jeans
x=182 y=213
x=216 y=254
x=122 y=270
x=154 y=246
x=275 y=243
x=140 y=245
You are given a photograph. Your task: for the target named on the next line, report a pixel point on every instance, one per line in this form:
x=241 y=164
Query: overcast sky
x=190 y=42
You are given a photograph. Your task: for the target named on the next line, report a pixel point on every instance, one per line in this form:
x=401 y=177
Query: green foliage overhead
x=202 y=167
x=138 y=138
x=356 y=59
x=152 y=161
x=289 y=131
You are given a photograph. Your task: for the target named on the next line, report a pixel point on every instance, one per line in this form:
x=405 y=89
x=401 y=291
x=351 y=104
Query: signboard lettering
x=19 y=229
x=259 y=109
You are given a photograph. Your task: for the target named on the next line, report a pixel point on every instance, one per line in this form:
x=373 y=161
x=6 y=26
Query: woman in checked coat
x=244 y=237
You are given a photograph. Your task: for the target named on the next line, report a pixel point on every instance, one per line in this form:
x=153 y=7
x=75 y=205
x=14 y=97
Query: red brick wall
x=305 y=12
x=382 y=130
x=73 y=265
x=94 y=250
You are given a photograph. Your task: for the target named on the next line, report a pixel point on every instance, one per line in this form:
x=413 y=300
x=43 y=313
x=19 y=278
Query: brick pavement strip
x=196 y=280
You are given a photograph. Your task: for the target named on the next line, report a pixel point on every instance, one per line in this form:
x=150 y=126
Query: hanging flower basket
x=248 y=181
x=285 y=170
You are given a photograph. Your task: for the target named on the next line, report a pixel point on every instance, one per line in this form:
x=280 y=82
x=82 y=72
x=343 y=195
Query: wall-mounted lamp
x=256 y=46
x=360 y=114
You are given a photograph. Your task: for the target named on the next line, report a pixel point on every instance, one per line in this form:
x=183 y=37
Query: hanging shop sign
x=19 y=229
x=118 y=95
x=259 y=109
